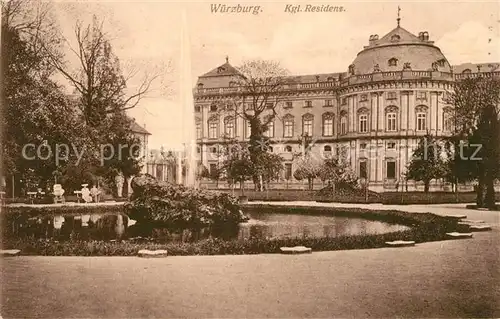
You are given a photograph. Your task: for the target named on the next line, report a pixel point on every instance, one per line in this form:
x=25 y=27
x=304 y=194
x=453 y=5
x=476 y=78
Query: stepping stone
x=400 y=243
x=479 y=227
x=152 y=253
x=470 y=221
x=296 y=250
x=459 y=235
x=9 y=252
x=456 y=216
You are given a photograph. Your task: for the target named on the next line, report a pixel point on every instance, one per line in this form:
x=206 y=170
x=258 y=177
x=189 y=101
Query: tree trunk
x=489 y=200
x=426 y=186
x=479 y=193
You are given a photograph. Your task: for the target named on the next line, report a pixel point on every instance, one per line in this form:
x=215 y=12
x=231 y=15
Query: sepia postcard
x=239 y=159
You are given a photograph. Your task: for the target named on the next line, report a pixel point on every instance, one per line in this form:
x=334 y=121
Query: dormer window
x=407 y=66
x=395 y=38
x=221 y=69
x=466 y=71
x=330 y=79
x=393 y=62
x=232 y=84
x=200 y=86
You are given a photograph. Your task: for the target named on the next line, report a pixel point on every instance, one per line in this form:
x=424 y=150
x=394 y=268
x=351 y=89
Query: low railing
x=363 y=78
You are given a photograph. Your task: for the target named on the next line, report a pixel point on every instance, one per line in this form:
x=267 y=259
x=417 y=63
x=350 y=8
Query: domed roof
x=398 y=49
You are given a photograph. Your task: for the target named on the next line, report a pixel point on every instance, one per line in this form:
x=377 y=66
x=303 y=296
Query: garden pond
x=264 y=225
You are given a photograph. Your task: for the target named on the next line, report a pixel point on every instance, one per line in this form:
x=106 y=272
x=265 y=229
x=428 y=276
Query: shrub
x=163 y=204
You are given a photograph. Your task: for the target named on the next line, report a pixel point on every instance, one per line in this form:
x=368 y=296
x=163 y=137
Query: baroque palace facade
x=392 y=94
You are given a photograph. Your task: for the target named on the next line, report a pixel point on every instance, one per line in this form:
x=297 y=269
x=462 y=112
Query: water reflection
x=260 y=225
x=293 y=226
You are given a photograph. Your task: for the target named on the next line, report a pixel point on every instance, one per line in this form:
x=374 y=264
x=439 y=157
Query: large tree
x=98 y=79
x=36 y=112
x=261 y=84
x=428 y=161
x=476 y=103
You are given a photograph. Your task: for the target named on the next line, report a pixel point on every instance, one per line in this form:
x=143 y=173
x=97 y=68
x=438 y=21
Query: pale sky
x=148 y=32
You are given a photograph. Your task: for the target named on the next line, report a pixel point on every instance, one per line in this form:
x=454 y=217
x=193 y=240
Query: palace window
x=447 y=122
x=229 y=127
x=421 y=121
x=213 y=128
x=288 y=126
x=390 y=169
x=395 y=38
x=391 y=145
x=393 y=62
x=343 y=101
x=213 y=108
x=288 y=149
x=197 y=108
x=391 y=96
x=328 y=103
x=213 y=169
x=327 y=149
x=421 y=95
x=198 y=130
x=351 y=69
x=363 y=171
x=288 y=171
x=288 y=105
x=308 y=104
x=213 y=150
x=328 y=124
x=364 y=97
x=198 y=150
x=307 y=124
x=200 y=86
x=363 y=123
x=343 y=124
x=248 y=129
x=270 y=149
x=270 y=130
x=391 y=122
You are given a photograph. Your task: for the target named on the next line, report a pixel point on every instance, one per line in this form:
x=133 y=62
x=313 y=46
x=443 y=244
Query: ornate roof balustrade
x=357 y=79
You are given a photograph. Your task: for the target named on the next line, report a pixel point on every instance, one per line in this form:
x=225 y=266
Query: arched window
x=393 y=62
x=327 y=148
x=466 y=71
x=307 y=124
x=288 y=149
x=328 y=119
x=200 y=86
x=421 y=117
x=343 y=122
x=391 y=116
x=288 y=123
x=229 y=126
x=213 y=127
x=232 y=84
x=363 y=120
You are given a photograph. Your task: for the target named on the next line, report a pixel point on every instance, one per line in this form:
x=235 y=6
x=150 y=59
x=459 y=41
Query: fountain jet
x=187 y=104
